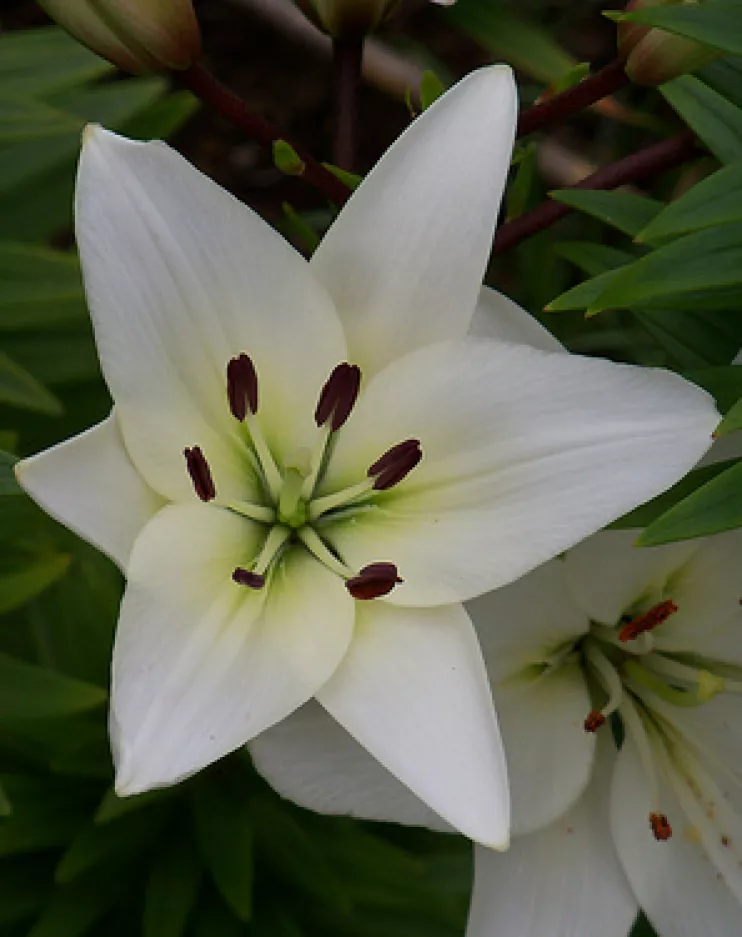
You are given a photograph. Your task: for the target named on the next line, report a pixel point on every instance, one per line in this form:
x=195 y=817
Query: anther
x=648 y=621
x=243 y=577
x=660 y=826
x=373 y=581
x=338 y=397
x=594 y=721
x=198 y=469
x=395 y=464
x=242 y=386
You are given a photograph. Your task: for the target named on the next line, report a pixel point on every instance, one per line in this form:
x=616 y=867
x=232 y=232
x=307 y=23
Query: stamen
x=339 y=499
x=648 y=621
x=198 y=469
x=660 y=827
x=256 y=512
x=267 y=463
x=316 y=545
x=271 y=548
x=395 y=464
x=594 y=721
x=243 y=577
x=373 y=581
x=609 y=679
x=338 y=397
x=242 y=386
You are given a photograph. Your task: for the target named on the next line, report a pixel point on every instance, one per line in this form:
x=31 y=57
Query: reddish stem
x=584 y=94
x=660 y=156
x=347 y=56
x=209 y=89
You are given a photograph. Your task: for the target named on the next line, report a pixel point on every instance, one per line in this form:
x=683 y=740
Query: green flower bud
x=351 y=18
x=136 y=35
x=654 y=56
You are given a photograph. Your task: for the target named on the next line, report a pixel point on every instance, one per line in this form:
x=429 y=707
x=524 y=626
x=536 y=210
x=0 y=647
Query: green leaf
x=723 y=383
x=694 y=338
x=716 y=120
x=225 y=833
x=732 y=422
x=622 y=210
x=713 y=508
x=30 y=692
x=46 y=813
x=38 y=287
x=20 y=585
x=75 y=908
x=431 y=88
x=24 y=888
x=714 y=24
x=19 y=389
x=112 y=806
x=8 y=484
x=716 y=200
x=702 y=261
x=593 y=259
x=6 y=809
x=28 y=119
x=37 y=61
x=172 y=889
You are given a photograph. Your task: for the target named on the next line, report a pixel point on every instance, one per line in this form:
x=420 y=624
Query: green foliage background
x=222 y=855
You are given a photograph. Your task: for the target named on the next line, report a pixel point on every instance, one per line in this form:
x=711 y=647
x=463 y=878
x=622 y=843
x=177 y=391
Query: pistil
x=634 y=726
x=638 y=674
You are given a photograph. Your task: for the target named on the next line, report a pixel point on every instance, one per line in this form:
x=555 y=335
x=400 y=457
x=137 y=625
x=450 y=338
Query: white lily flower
x=463 y=463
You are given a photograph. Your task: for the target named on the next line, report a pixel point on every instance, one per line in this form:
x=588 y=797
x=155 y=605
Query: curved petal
x=678 y=883
x=610 y=576
x=524 y=454
x=201 y=665
x=563 y=881
x=405 y=259
x=181 y=277
x=499 y=318
x=413 y=691
x=89 y=484
x=310 y=759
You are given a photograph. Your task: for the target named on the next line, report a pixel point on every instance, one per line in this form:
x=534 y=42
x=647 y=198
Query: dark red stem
x=347 y=57
x=584 y=94
x=209 y=89
x=656 y=158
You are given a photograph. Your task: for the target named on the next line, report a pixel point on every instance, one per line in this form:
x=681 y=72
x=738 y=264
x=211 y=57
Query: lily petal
x=413 y=691
x=499 y=318
x=181 y=277
x=201 y=664
x=310 y=759
x=679 y=884
x=524 y=454
x=403 y=262
x=563 y=881
x=89 y=484
x=542 y=704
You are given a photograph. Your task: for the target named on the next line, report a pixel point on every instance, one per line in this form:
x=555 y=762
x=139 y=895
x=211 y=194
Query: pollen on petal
x=396 y=464
x=243 y=577
x=198 y=469
x=594 y=721
x=373 y=581
x=660 y=827
x=242 y=386
x=338 y=396
x=648 y=621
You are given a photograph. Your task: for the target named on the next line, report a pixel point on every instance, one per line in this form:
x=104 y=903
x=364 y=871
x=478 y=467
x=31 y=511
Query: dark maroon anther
x=373 y=581
x=198 y=469
x=395 y=464
x=338 y=397
x=242 y=386
x=243 y=577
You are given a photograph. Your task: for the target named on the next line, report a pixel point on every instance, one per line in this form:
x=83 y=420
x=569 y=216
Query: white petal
x=201 y=665
x=181 y=277
x=405 y=259
x=89 y=484
x=564 y=881
x=609 y=575
x=498 y=317
x=521 y=628
x=677 y=882
x=413 y=691
x=312 y=760
x=524 y=454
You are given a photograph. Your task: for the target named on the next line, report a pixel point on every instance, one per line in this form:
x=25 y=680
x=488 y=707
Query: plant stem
x=656 y=158
x=574 y=99
x=211 y=91
x=347 y=57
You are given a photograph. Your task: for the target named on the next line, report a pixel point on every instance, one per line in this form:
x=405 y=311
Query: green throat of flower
x=290 y=511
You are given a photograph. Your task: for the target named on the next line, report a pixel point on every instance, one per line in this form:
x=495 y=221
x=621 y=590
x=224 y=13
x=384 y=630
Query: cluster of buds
x=139 y=36
x=351 y=19
x=654 y=56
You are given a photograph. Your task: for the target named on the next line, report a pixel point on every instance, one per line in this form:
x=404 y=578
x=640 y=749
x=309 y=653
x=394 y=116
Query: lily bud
x=348 y=19
x=654 y=56
x=138 y=36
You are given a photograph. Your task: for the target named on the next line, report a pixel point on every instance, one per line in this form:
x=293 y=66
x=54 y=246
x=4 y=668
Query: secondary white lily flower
x=463 y=463
x=654 y=636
